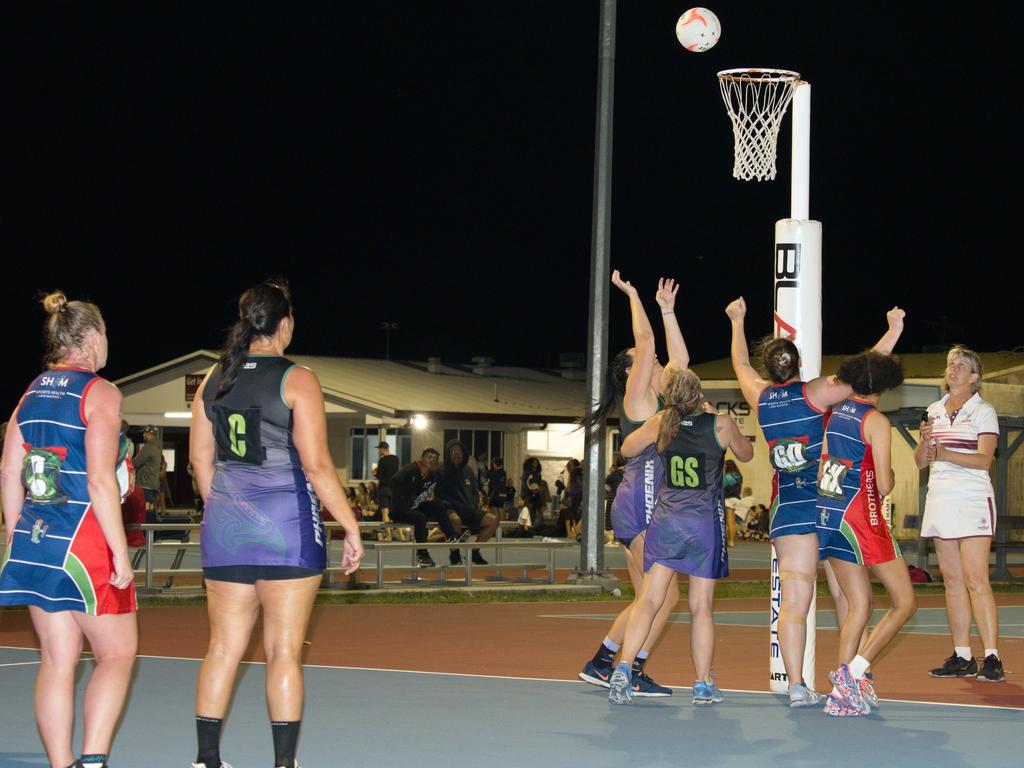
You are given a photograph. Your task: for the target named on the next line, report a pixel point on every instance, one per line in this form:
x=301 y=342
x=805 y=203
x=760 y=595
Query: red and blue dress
x=57 y=557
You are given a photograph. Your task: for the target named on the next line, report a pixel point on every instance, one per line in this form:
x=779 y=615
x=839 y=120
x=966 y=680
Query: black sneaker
x=455 y=557
x=991 y=670
x=955 y=666
x=478 y=559
x=424 y=560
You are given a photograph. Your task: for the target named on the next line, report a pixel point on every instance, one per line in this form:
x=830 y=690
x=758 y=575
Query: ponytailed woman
x=259 y=450
x=687 y=530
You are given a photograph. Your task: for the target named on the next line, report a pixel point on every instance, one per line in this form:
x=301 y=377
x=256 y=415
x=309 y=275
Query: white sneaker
x=802 y=696
x=203 y=765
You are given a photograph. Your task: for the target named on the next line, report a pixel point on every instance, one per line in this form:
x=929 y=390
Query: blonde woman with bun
x=66 y=556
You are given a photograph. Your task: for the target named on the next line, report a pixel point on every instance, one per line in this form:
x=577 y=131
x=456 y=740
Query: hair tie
x=785 y=359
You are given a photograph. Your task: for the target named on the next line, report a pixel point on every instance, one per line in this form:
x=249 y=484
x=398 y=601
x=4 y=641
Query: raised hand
x=666 y=295
x=737 y=310
x=895 y=318
x=623 y=285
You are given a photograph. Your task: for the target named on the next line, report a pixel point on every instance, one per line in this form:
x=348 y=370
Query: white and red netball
x=698 y=29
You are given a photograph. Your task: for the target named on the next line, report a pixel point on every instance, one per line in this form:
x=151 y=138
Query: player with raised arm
x=635 y=381
x=792 y=415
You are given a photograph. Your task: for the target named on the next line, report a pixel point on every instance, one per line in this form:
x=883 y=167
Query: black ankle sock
x=605 y=657
x=286 y=741
x=208 y=736
x=638 y=664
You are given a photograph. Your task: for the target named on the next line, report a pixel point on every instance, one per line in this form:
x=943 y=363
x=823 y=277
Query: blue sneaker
x=596 y=675
x=620 y=686
x=643 y=685
x=707 y=693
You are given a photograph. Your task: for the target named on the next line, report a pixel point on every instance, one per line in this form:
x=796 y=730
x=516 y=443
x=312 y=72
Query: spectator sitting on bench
x=459 y=492
x=411 y=488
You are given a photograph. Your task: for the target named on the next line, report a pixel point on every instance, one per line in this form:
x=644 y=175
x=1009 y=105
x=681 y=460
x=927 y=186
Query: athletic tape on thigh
x=809 y=578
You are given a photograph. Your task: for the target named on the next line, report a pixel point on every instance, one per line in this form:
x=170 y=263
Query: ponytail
x=260 y=310
x=614 y=389
x=683 y=396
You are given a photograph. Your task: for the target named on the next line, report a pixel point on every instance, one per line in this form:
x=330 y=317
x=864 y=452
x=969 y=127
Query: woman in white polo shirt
x=958 y=439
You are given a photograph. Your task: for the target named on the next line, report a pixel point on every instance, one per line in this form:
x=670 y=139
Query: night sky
x=431 y=164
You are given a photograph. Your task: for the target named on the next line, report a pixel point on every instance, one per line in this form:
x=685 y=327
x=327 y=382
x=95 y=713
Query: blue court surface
x=366 y=717
x=926 y=621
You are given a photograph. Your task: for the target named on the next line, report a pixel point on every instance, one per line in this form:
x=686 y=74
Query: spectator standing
x=533 y=489
x=497 y=487
x=387 y=466
x=147 y=469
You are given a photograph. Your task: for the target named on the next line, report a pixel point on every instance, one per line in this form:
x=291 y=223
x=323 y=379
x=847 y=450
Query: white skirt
x=952 y=518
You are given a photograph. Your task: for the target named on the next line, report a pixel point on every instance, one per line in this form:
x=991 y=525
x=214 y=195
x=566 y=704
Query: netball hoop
x=756 y=100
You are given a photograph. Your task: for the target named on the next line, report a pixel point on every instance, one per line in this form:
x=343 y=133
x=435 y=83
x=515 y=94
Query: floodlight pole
x=591 y=566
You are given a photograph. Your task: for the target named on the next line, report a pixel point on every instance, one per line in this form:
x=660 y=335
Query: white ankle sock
x=991 y=652
x=964 y=652
x=858 y=667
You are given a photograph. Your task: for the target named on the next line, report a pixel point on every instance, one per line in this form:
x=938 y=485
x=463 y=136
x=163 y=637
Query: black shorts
x=471 y=518
x=250 y=574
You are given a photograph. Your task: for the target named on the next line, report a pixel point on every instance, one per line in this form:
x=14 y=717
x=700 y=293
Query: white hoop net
x=756 y=100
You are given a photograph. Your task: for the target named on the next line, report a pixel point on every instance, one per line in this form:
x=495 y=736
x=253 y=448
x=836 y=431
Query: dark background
x=431 y=164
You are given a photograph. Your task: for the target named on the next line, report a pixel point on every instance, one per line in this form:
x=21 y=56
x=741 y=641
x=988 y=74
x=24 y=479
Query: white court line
x=20 y=663
x=574 y=681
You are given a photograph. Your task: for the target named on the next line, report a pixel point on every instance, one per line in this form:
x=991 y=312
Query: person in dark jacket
x=411 y=488
x=459 y=492
x=497 y=488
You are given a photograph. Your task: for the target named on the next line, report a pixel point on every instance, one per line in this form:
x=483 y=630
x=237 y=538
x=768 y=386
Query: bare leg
x=958 y=604
x=232 y=609
x=702 y=625
x=645 y=607
x=114 y=641
x=60 y=641
x=634 y=563
x=798 y=569
x=896 y=580
x=974 y=560
x=856 y=585
x=286 y=608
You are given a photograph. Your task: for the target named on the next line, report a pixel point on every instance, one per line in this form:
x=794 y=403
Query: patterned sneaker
x=846 y=699
x=802 y=696
x=992 y=670
x=955 y=666
x=203 y=765
x=836 y=707
x=707 y=693
x=596 y=675
x=620 y=687
x=643 y=685
x=867 y=691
